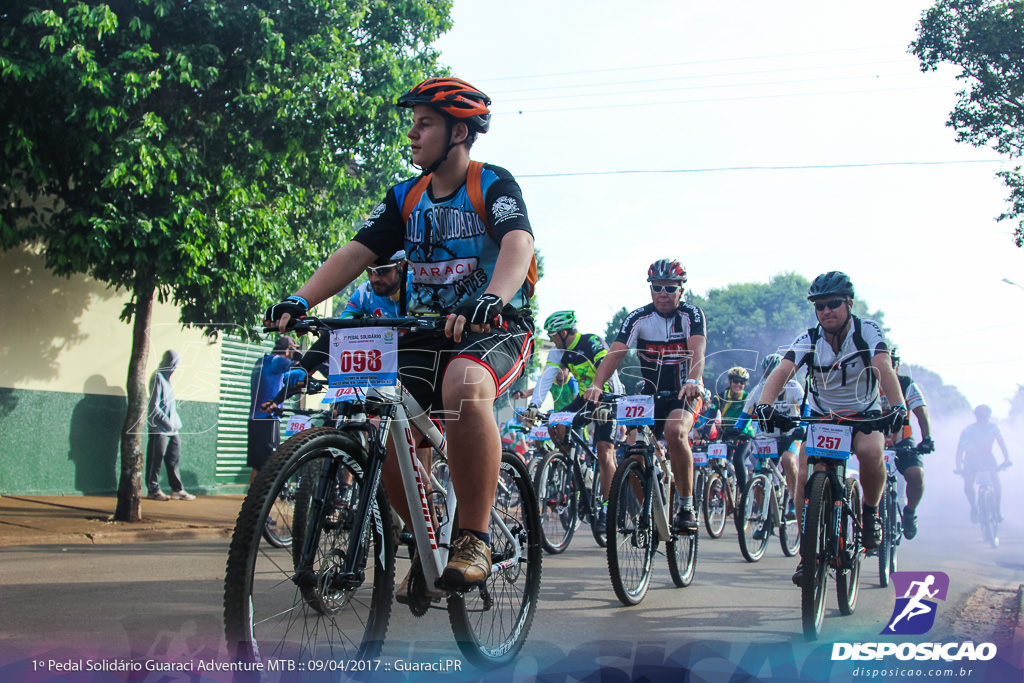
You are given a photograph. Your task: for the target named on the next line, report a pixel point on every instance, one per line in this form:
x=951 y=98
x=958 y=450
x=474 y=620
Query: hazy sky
x=760 y=138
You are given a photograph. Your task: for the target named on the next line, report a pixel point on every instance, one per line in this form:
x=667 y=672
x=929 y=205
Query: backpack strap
x=474 y=190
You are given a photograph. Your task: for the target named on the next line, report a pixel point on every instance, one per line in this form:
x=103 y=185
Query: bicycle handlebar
x=316 y=325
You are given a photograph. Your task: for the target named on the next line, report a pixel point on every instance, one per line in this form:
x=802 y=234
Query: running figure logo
x=914 y=612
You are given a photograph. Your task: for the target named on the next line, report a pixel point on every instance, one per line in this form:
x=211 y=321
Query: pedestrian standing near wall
x=164 y=427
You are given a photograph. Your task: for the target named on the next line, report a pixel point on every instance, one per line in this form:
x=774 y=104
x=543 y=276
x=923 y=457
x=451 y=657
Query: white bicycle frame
x=431 y=545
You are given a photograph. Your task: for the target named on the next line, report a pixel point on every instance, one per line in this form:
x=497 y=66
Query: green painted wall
x=56 y=443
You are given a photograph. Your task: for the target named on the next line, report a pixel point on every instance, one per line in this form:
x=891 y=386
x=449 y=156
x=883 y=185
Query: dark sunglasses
x=671 y=289
x=833 y=304
x=381 y=271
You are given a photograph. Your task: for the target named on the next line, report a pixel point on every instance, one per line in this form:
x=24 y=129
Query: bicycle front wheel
x=597 y=500
x=631 y=533
x=491 y=625
x=278 y=529
x=887 y=548
x=987 y=517
x=298 y=604
x=755 y=527
x=848 y=575
x=557 y=496
x=681 y=549
x=814 y=554
x=715 y=504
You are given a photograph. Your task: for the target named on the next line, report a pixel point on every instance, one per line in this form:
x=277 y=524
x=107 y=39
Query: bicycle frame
x=655 y=463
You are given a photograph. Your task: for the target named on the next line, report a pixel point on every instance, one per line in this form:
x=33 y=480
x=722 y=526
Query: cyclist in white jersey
x=847 y=359
x=788 y=403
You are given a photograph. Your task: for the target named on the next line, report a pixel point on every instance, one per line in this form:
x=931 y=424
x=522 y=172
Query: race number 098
x=360 y=361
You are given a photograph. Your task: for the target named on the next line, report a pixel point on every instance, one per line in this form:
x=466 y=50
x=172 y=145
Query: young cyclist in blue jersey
x=670 y=337
x=470 y=269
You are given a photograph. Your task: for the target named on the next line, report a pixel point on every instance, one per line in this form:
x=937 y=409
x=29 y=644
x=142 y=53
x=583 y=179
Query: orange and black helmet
x=454 y=97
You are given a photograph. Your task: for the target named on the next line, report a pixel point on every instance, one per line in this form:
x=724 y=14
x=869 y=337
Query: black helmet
x=832 y=282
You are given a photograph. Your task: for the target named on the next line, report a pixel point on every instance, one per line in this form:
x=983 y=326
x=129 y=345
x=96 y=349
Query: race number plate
x=700 y=458
x=556 y=419
x=296 y=424
x=340 y=395
x=635 y=410
x=829 y=441
x=538 y=434
x=766 y=448
x=718 y=450
x=890 y=460
x=363 y=357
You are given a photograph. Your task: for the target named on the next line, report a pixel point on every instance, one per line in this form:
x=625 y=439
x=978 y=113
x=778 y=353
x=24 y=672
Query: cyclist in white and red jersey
x=847 y=359
x=670 y=337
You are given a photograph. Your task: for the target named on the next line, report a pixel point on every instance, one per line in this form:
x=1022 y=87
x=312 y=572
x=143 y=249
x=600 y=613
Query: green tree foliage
x=206 y=152
x=944 y=400
x=747 y=321
x=985 y=40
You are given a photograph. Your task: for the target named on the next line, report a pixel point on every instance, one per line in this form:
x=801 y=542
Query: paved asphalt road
x=162 y=602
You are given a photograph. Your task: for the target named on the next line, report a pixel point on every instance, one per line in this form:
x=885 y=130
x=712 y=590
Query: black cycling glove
x=896 y=416
x=768 y=418
x=926 y=445
x=482 y=310
x=295 y=306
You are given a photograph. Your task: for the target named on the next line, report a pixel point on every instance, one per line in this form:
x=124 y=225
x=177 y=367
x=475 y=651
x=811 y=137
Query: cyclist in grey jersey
x=848 y=360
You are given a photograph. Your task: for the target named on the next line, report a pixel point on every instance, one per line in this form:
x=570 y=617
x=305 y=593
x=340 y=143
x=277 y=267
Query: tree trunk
x=129 y=489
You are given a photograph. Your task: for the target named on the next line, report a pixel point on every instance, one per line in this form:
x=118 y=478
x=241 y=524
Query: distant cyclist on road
x=727 y=408
x=974 y=455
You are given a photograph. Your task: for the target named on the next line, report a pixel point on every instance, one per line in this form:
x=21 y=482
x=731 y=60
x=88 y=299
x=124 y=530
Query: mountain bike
x=719 y=496
x=988 y=511
x=642 y=503
x=832 y=528
x=764 y=506
x=568 y=485
x=891 y=513
x=330 y=598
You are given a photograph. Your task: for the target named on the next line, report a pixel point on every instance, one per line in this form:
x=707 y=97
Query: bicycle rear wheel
x=789 y=529
x=681 y=549
x=814 y=554
x=557 y=496
x=491 y=625
x=715 y=503
x=631 y=533
x=987 y=517
x=755 y=527
x=848 y=575
x=281 y=604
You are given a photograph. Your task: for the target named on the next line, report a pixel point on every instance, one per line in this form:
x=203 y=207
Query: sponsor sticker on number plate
x=829 y=441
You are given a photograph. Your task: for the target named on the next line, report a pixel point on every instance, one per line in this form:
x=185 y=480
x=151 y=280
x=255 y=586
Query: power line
x=725 y=169
x=691 y=63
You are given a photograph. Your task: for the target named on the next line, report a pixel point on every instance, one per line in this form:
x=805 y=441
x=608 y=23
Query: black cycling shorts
x=906 y=459
x=423 y=359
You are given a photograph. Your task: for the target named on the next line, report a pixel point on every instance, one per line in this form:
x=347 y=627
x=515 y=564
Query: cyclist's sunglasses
x=831 y=304
x=671 y=289
x=380 y=271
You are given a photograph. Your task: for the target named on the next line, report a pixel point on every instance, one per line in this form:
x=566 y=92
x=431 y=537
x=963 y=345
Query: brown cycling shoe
x=469 y=563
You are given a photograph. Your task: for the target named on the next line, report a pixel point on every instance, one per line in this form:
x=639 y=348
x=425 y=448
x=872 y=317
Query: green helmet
x=558 y=321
